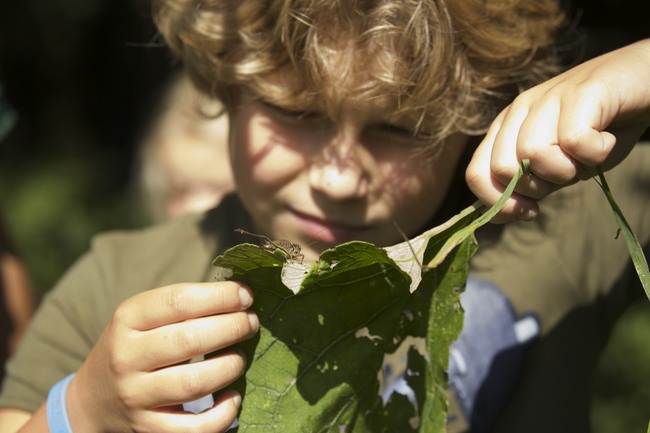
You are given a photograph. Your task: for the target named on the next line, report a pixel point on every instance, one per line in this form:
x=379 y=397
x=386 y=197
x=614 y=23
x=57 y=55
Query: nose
x=338 y=171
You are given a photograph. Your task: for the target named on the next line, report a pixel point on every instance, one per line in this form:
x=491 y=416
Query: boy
x=329 y=102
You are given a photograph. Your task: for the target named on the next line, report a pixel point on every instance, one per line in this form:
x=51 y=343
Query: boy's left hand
x=590 y=115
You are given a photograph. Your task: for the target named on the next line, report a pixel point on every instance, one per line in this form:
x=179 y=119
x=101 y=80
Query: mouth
x=326 y=231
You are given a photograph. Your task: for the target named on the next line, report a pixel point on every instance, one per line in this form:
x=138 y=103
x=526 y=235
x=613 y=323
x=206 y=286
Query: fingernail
x=245 y=297
x=236 y=399
x=253 y=320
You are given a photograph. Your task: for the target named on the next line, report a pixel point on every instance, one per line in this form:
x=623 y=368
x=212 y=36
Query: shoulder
x=118 y=265
x=122 y=263
x=151 y=250
x=175 y=251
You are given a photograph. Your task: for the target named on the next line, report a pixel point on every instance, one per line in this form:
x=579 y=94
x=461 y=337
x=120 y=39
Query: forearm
x=15 y=420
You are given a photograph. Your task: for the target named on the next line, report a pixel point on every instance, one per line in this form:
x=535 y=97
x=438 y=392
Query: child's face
x=318 y=183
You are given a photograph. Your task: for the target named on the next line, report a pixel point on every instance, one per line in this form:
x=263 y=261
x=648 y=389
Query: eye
x=289 y=114
x=396 y=130
x=403 y=132
x=397 y=136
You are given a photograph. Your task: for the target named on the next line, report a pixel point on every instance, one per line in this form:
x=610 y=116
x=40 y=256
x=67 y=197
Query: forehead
x=332 y=95
x=348 y=76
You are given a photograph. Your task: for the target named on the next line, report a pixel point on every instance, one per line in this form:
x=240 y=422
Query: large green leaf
x=335 y=333
x=330 y=330
x=317 y=363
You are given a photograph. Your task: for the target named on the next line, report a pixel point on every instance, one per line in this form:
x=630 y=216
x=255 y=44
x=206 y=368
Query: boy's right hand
x=591 y=115
x=136 y=377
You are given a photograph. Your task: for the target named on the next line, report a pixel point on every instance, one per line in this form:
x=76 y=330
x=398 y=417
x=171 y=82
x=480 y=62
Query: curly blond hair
x=448 y=66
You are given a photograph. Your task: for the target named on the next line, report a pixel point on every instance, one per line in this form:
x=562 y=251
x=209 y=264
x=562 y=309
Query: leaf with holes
x=359 y=340
x=318 y=362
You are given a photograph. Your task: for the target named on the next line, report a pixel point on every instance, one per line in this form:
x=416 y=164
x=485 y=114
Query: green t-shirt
x=567 y=270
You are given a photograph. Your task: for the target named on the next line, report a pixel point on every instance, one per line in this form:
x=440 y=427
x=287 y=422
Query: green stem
x=633 y=245
x=458 y=237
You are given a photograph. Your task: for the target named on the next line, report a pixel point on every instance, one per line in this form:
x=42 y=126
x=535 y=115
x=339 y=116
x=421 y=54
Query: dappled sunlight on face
x=319 y=181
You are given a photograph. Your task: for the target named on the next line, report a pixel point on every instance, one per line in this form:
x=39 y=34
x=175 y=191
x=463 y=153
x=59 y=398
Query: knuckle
x=539 y=161
x=119 y=314
x=119 y=361
x=240 y=327
x=188 y=340
x=474 y=176
x=191 y=383
x=233 y=366
x=502 y=171
x=561 y=178
x=127 y=395
x=176 y=301
x=572 y=140
x=521 y=101
x=221 y=296
x=122 y=315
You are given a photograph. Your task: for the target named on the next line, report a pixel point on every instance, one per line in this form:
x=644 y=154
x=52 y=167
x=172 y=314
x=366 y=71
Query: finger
x=517 y=207
x=525 y=133
x=179 y=342
x=214 y=420
x=504 y=165
x=537 y=141
x=504 y=162
x=581 y=127
x=478 y=173
x=180 y=302
x=488 y=189
x=187 y=382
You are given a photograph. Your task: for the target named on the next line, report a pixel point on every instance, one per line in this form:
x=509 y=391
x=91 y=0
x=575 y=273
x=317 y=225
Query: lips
x=326 y=231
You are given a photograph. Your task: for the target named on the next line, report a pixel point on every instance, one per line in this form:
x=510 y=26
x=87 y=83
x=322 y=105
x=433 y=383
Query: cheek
x=417 y=199
x=403 y=183
x=415 y=191
x=262 y=154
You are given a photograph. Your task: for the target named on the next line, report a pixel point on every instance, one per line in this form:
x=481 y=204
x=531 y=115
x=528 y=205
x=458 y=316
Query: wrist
x=57 y=409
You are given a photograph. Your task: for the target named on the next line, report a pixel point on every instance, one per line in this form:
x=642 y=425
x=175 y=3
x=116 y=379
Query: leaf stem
x=458 y=237
x=633 y=245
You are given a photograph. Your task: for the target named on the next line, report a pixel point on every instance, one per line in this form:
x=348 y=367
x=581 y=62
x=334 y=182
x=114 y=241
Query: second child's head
x=347 y=117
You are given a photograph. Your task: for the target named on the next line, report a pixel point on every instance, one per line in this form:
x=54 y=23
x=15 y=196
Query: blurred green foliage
x=53 y=209
x=83 y=79
x=621 y=401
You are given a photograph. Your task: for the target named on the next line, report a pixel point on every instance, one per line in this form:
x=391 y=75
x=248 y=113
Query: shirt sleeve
x=75 y=312
x=61 y=335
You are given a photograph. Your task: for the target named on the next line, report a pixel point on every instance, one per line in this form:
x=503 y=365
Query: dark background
x=85 y=76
